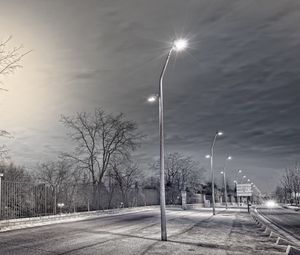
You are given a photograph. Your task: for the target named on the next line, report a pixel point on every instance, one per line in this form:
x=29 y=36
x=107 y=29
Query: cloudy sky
x=240 y=74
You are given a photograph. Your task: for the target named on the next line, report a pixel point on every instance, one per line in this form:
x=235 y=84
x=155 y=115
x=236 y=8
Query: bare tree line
x=289 y=189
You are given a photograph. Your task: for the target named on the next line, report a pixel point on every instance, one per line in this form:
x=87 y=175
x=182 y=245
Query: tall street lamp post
x=225 y=185
x=218 y=133
x=178 y=45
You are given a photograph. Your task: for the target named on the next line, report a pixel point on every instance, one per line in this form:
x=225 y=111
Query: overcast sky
x=240 y=74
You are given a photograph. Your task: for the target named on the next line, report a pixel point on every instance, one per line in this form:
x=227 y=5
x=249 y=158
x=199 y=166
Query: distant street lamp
x=244 y=177
x=60 y=206
x=218 y=133
x=178 y=45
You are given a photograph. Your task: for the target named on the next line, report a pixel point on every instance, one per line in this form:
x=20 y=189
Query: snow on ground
x=190 y=232
x=225 y=233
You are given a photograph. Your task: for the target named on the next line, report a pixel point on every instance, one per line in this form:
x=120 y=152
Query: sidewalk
x=223 y=234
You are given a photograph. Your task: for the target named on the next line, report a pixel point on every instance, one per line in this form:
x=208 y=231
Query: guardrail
x=279 y=235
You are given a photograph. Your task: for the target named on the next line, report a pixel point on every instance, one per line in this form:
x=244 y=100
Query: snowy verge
x=6 y=225
x=295 y=208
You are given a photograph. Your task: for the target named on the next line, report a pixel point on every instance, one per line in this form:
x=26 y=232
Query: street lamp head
x=180 y=44
x=229 y=158
x=152 y=99
x=235 y=181
x=222 y=172
x=219 y=133
x=207 y=156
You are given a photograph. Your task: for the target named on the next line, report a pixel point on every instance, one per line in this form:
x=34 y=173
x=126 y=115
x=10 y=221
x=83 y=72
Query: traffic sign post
x=244 y=190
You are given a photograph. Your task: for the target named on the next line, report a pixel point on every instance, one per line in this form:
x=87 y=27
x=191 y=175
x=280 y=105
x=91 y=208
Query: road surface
x=286 y=219
x=189 y=232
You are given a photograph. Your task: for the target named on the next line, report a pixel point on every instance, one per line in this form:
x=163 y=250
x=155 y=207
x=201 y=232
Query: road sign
x=244 y=190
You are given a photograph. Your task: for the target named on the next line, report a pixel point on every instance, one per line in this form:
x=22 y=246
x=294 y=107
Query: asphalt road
x=286 y=219
x=189 y=232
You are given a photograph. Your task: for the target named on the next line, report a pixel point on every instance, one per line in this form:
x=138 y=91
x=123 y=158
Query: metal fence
x=24 y=199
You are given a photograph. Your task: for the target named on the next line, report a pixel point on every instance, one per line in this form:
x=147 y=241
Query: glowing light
x=229 y=158
x=222 y=172
x=207 y=156
x=152 y=99
x=180 y=44
x=219 y=133
x=240 y=171
x=271 y=203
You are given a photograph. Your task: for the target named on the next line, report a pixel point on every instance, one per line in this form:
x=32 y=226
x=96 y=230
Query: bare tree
x=290 y=183
x=55 y=174
x=99 y=138
x=126 y=175
x=9 y=61
x=13 y=173
x=181 y=173
x=59 y=176
x=10 y=57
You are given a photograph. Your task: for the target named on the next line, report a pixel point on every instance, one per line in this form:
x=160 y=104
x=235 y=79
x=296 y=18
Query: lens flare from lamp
x=180 y=44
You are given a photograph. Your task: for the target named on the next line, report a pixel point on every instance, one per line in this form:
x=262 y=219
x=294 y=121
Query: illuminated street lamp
x=224 y=175
x=152 y=99
x=244 y=177
x=178 y=45
x=218 y=133
x=60 y=206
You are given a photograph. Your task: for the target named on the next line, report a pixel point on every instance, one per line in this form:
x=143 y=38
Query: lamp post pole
x=162 y=152
x=218 y=133
x=225 y=185
x=178 y=45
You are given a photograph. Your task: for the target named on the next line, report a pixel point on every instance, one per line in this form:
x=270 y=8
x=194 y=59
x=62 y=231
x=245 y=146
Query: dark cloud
x=240 y=74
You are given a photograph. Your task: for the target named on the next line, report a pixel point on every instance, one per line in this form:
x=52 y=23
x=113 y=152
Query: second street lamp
x=225 y=185
x=178 y=45
x=218 y=133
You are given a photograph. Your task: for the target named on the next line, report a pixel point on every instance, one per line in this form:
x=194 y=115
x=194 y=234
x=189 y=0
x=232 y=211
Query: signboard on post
x=244 y=190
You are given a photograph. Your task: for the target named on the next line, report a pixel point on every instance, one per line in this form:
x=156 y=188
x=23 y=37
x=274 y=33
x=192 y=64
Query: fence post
x=1 y=175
